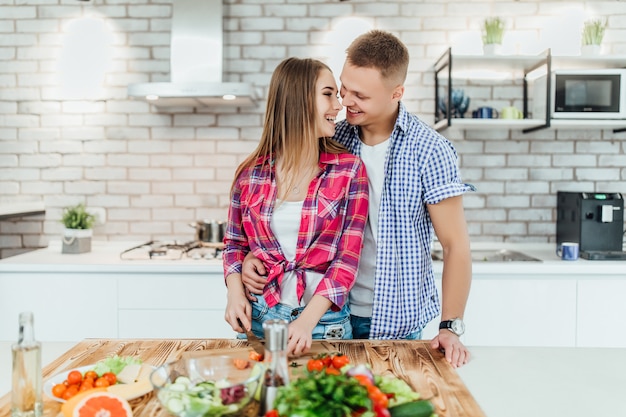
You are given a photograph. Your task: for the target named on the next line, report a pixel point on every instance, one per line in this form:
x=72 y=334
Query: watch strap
x=446 y=324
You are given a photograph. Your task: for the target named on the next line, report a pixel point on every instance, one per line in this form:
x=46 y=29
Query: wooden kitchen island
x=425 y=370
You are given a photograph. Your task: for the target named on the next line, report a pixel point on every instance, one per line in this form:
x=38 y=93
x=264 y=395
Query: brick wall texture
x=148 y=173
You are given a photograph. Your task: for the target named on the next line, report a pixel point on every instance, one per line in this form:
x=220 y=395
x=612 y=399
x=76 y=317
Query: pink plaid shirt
x=331 y=231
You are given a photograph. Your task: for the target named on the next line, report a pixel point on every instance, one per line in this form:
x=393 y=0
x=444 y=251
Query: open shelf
x=516 y=124
x=449 y=66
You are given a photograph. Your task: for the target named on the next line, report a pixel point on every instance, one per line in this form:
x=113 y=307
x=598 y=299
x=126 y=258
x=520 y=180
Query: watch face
x=457 y=326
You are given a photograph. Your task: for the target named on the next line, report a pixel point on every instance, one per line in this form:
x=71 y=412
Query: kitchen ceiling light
x=229 y=97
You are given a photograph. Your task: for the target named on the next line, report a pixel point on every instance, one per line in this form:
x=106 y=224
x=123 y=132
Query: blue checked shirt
x=421 y=168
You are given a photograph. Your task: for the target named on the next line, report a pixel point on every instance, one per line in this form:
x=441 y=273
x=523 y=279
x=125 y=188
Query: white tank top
x=285 y=224
x=362 y=294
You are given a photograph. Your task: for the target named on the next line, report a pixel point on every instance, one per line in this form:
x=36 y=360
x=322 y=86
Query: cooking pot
x=211 y=231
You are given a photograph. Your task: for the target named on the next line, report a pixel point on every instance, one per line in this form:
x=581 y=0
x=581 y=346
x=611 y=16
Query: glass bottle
x=277 y=372
x=26 y=393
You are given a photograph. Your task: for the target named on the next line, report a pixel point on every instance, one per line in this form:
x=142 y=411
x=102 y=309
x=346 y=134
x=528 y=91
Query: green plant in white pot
x=78 y=231
x=592 y=35
x=493 y=32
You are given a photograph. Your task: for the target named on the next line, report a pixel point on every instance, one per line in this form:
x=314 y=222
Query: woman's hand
x=300 y=337
x=237 y=305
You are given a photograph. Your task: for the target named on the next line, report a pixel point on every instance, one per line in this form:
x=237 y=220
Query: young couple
x=338 y=252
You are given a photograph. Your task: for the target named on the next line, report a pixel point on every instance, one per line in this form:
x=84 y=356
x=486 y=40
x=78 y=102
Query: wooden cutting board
x=424 y=369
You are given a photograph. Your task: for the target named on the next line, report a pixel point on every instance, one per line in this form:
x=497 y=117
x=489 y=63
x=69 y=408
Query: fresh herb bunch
x=593 y=31
x=493 y=30
x=322 y=395
x=77 y=217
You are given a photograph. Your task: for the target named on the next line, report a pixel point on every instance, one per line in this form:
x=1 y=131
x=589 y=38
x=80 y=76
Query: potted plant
x=493 y=31
x=592 y=35
x=78 y=231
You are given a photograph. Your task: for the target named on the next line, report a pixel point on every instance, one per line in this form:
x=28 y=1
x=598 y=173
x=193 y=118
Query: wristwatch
x=456 y=326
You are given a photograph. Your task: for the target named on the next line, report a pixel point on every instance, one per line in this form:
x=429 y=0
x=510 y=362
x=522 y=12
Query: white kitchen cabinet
x=601 y=309
x=521 y=312
x=96 y=294
x=172 y=306
x=518 y=311
x=67 y=306
x=184 y=324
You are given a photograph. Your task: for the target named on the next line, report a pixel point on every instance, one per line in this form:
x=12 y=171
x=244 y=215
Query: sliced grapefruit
x=68 y=406
x=102 y=404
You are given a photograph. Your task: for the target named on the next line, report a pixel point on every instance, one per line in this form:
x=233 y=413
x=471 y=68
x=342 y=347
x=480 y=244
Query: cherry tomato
x=110 y=376
x=272 y=413
x=314 y=365
x=58 y=390
x=333 y=371
x=85 y=385
x=101 y=382
x=74 y=377
x=327 y=360
x=91 y=374
x=70 y=392
x=340 y=361
x=254 y=356
x=381 y=411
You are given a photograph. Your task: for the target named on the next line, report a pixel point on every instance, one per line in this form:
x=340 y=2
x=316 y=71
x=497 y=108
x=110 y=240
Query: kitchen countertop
x=505 y=381
x=105 y=257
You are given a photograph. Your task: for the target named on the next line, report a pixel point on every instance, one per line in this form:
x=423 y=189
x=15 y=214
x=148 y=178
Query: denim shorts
x=332 y=325
x=361 y=329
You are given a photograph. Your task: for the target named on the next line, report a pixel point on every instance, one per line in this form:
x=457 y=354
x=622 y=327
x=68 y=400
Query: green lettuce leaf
x=402 y=392
x=115 y=364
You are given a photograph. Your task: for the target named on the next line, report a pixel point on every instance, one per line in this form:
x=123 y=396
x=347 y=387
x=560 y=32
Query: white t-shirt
x=285 y=224
x=362 y=294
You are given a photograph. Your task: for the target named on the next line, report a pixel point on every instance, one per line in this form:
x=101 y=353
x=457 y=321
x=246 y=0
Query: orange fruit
x=102 y=404
x=68 y=406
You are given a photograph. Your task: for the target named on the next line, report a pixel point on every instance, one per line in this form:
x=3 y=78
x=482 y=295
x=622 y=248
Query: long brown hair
x=290 y=119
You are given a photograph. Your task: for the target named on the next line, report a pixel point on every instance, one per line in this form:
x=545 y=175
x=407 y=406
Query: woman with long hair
x=299 y=204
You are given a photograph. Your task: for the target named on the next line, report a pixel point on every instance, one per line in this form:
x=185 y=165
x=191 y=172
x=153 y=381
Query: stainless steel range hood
x=195 y=62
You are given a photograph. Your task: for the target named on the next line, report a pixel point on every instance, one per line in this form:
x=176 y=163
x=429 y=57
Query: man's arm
x=449 y=223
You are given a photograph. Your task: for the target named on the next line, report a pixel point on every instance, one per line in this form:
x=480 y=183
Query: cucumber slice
x=175 y=406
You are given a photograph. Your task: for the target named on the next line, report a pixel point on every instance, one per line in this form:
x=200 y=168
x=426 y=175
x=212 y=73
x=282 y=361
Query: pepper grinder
x=26 y=393
x=277 y=372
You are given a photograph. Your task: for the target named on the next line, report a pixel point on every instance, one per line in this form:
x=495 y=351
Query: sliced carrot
x=240 y=363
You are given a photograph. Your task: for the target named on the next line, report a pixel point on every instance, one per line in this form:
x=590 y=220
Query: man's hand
x=456 y=353
x=253 y=276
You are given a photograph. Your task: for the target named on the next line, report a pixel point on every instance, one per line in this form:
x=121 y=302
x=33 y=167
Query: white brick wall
x=153 y=172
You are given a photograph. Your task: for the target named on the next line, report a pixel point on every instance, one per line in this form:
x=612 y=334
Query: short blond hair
x=382 y=51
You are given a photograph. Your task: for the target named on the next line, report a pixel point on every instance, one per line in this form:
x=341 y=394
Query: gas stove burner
x=172 y=250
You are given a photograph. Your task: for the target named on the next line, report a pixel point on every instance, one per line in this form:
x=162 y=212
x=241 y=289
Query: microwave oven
x=582 y=94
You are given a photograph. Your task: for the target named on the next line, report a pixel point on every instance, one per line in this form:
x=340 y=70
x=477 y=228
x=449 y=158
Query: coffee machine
x=594 y=220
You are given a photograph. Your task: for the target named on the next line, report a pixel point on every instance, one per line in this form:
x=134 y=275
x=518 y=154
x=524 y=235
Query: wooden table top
x=424 y=369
